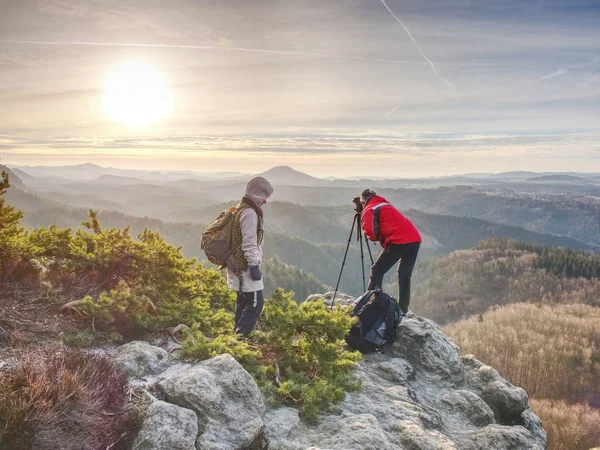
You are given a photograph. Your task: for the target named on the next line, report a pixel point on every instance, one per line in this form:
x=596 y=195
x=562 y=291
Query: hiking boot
x=402 y=315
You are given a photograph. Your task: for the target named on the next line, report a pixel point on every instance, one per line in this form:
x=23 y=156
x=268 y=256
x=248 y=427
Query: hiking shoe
x=402 y=315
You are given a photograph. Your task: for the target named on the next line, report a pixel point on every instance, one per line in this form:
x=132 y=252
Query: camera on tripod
x=356 y=222
x=358 y=205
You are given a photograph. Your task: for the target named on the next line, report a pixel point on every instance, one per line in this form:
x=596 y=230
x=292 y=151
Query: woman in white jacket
x=247 y=241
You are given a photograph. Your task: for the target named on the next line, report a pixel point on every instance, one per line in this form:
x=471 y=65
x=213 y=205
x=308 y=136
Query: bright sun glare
x=135 y=93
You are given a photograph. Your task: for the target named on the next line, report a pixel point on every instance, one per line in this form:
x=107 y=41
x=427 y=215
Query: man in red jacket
x=398 y=237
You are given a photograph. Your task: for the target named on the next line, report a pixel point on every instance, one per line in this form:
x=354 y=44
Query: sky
x=400 y=88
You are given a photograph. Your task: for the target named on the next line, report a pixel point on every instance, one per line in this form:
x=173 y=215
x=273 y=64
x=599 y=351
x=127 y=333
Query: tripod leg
x=362 y=253
x=343 y=262
x=366 y=240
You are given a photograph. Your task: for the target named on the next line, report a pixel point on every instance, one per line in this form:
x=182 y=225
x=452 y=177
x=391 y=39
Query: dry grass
x=28 y=321
x=569 y=427
x=63 y=399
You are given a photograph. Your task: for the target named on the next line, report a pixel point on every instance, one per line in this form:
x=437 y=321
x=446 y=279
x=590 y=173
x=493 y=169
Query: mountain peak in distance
x=285 y=175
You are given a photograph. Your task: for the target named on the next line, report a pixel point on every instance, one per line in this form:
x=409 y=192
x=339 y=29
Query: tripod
x=356 y=222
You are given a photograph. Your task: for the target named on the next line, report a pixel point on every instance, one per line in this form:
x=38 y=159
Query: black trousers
x=248 y=307
x=407 y=255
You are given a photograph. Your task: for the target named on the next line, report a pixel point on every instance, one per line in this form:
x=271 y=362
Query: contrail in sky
x=392 y=111
x=418 y=46
x=564 y=70
x=215 y=47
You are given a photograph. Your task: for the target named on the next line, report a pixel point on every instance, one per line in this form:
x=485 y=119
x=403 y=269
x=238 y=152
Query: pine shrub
x=296 y=354
x=16 y=268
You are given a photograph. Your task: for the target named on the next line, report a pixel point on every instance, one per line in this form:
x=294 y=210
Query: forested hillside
x=278 y=274
x=502 y=271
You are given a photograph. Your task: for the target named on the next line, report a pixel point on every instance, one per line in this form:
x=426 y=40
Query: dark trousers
x=247 y=309
x=407 y=255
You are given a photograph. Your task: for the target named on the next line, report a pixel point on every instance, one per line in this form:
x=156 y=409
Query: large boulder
x=507 y=401
x=138 y=359
x=470 y=406
x=284 y=429
x=415 y=437
x=225 y=398
x=428 y=349
x=358 y=432
x=167 y=426
x=346 y=431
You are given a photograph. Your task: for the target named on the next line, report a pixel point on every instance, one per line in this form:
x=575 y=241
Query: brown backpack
x=216 y=240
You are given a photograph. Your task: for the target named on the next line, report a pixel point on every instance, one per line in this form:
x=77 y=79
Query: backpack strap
x=377 y=219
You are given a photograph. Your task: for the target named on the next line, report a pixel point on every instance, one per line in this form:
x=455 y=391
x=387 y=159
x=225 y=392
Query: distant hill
x=22 y=176
x=90 y=171
x=29 y=202
x=557 y=178
x=514 y=175
x=288 y=176
x=121 y=180
x=80 y=171
x=14 y=179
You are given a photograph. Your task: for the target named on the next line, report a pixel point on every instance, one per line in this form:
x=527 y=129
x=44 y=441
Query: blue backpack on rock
x=378 y=318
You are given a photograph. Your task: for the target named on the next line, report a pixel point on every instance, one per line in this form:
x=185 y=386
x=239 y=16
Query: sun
x=136 y=93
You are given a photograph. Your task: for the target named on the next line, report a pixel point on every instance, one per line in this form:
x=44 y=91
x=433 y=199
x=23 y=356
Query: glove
x=255 y=273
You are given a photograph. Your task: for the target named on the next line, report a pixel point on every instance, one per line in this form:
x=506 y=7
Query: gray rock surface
x=418 y=396
x=470 y=406
x=225 y=398
x=340 y=299
x=167 y=426
x=507 y=401
x=425 y=346
x=138 y=359
x=358 y=432
x=500 y=437
x=534 y=424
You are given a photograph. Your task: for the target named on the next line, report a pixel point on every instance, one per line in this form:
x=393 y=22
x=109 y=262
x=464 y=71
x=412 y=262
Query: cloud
x=410 y=145
x=18 y=59
x=108 y=17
